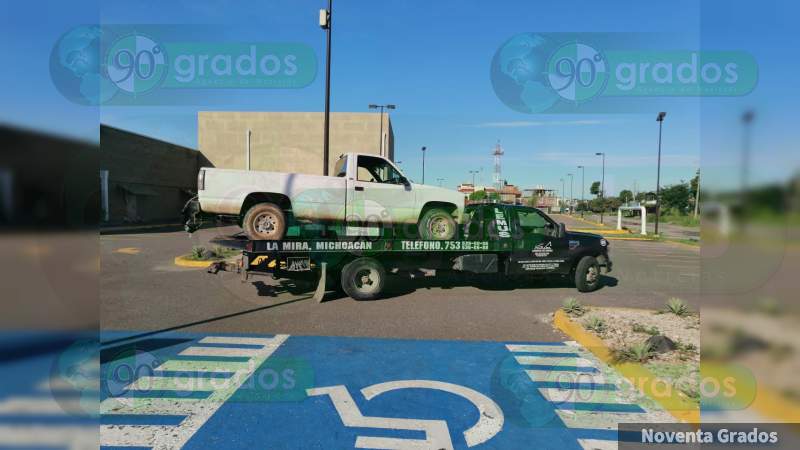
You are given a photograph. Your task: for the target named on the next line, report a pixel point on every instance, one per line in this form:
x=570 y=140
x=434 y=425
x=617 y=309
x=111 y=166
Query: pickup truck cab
x=365 y=193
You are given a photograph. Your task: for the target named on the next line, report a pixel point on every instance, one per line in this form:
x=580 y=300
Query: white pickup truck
x=365 y=192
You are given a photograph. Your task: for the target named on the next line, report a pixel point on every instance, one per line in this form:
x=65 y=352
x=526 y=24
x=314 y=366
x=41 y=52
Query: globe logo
x=532 y=72
x=76 y=67
x=74 y=374
x=136 y=64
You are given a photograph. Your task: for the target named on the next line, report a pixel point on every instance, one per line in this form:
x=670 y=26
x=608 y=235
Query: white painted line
x=236 y=340
x=585 y=395
x=560 y=376
x=219 y=351
x=540 y=348
x=165 y=406
x=605 y=420
x=596 y=444
x=554 y=361
x=205 y=366
x=164 y=436
x=72 y=437
x=39 y=405
x=182 y=383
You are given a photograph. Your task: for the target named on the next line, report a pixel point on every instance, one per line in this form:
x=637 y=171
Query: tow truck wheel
x=264 y=222
x=363 y=278
x=587 y=274
x=437 y=225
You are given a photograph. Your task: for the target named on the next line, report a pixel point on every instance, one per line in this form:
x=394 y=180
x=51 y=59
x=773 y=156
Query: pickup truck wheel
x=437 y=225
x=264 y=222
x=363 y=278
x=587 y=274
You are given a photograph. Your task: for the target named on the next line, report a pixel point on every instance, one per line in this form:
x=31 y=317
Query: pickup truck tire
x=264 y=222
x=587 y=274
x=437 y=225
x=363 y=278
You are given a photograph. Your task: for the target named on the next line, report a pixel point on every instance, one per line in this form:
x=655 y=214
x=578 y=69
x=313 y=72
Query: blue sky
x=432 y=59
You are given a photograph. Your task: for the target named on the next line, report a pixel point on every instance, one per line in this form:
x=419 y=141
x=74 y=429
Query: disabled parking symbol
x=437 y=436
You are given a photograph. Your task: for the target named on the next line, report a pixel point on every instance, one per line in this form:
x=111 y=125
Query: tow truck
x=509 y=241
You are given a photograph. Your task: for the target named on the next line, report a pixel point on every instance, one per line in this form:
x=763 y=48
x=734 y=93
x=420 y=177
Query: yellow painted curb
x=641 y=378
x=128 y=250
x=775 y=406
x=185 y=262
x=617 y=238
x=600 y=231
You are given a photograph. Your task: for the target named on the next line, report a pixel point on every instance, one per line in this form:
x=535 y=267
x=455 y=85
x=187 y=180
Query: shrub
x=596 y=324
x=639 y=328
x=198 y=252
x=573 y=306
x=635 y=353
x=678 y=307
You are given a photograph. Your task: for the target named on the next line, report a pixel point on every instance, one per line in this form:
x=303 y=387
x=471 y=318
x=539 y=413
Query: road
x=141 y=289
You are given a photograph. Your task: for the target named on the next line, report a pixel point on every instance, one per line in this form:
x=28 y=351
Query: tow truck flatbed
x=508 y=240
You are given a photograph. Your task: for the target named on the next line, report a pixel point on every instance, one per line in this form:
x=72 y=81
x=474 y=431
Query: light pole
x=563 y=193
x=660 y=120
x=747 y=119
x=380 y=137
x=602 y=186
x=571 y=197
x=583 y=186
x=423 y=164
x=473 y=172
x=325 y=22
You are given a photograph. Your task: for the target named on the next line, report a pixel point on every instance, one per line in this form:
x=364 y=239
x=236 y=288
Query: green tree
x=595 y=189
x=533 y=200
x=478 y=195
x=625 y=195
x=675 y=197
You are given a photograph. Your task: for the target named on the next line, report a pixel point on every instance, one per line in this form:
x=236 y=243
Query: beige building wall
x=288 y=141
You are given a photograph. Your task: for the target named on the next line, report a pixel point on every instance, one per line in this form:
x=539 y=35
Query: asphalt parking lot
x=143 y=290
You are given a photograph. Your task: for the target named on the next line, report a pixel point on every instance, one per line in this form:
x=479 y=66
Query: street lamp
x=660 y=120
x=473 y=172
x=380 y=137
x=583 y=186
x=571 y=197
x=423 y=164
x=325 y=22
x=747 y=119
x=602 y=186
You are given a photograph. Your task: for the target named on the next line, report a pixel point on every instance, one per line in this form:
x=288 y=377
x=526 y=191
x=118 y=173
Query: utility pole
x=325 y=21
x=602 y=186
x=660 y=120
x=583 y=187
x=571 y=196
x=563 y=193
x=697 y=195
x=380 y=137
x=423 y=164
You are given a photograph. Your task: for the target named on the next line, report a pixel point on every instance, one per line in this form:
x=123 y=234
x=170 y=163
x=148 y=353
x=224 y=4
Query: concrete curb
x=600 y=231
x=617 y=238
x=637 y=374
x=183 y=261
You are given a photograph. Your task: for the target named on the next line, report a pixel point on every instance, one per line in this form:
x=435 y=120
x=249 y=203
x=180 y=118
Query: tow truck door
x=537 y=247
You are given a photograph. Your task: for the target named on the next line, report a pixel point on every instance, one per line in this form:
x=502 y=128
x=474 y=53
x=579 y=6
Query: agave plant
x=573 y=306
x=640 y=353
x=596 y=324
x=678 y=307
x=198 y=252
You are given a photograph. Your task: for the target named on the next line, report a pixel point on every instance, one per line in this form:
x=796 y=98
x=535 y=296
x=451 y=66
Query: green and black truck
x=508 y=241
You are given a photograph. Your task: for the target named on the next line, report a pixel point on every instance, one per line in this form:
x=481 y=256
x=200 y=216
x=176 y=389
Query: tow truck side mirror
x=562 y=230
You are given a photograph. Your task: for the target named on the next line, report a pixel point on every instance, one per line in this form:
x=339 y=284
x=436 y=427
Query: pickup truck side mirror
x=562 y=230
x=404 y=181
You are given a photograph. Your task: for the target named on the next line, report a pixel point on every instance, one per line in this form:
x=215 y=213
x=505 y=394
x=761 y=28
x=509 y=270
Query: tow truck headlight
x=603 y=242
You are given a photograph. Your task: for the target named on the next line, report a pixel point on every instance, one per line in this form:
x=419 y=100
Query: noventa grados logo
x=136 y=64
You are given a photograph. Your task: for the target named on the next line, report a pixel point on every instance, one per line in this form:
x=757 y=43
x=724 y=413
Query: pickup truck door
x=377 y=195
x=537 y=247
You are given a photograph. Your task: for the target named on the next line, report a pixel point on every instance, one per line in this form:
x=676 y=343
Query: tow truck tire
x=264 y=222
x=437 y=225
x=363 y=278
x=587 y=274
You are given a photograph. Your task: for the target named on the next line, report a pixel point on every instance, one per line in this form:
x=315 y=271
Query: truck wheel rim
x=591 y=274
x=439 y=227
x=366 y=280
x=265 y=223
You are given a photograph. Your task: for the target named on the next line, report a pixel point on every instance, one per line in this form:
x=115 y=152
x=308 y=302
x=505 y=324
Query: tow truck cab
x=536 y=243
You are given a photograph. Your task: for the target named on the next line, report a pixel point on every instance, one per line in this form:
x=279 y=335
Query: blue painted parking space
x=200 y=391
